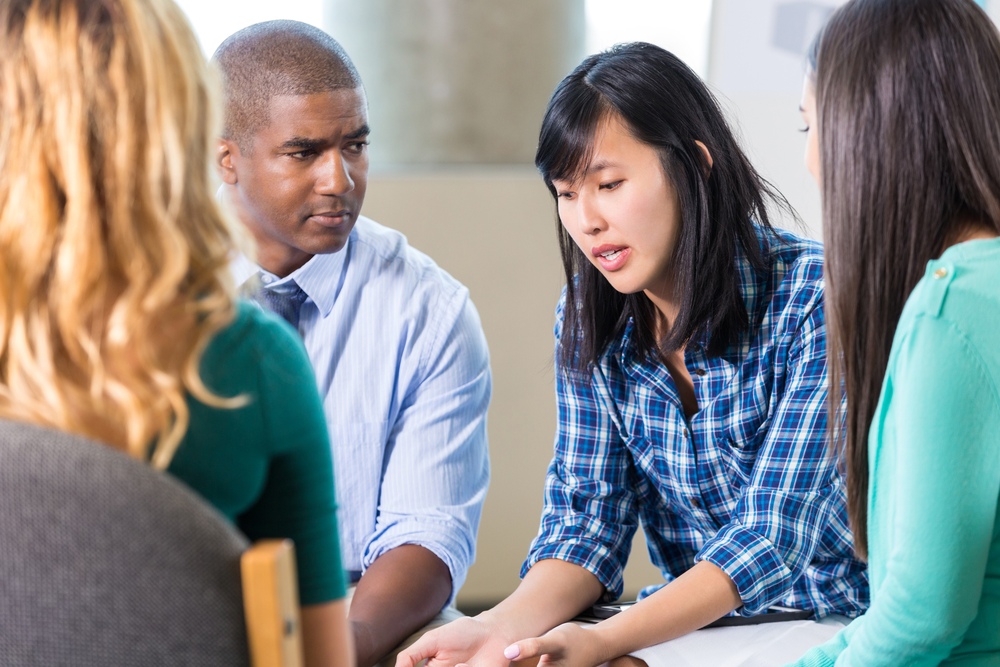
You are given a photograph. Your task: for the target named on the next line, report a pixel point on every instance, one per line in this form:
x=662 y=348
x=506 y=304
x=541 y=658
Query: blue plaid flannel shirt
x=748 y=484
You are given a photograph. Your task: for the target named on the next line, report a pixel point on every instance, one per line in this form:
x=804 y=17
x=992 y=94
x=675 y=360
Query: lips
x=331 y=218
x=611 y=257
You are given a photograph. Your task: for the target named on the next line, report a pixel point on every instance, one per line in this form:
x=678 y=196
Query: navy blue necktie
x=285 y=305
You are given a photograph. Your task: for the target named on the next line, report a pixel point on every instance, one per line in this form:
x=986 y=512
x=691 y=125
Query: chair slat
x=271 y=603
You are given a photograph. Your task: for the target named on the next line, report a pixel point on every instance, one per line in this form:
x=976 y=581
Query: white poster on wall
x=759 y=46
x=757 y=63
x=756 y=67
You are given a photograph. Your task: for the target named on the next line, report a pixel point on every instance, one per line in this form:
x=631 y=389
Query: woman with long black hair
x=690 y=381
x=903 y=109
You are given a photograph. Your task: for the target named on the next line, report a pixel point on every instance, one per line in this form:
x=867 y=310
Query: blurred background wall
x=457 y=90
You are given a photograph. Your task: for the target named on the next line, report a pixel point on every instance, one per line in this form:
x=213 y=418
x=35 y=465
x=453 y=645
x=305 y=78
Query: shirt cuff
x=753 y=563
x=591 y=556
x=436 y=538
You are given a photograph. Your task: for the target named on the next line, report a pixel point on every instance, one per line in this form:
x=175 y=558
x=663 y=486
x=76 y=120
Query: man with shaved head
x=396 y=344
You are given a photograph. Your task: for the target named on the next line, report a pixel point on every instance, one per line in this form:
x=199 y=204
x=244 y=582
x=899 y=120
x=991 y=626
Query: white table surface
x=765 y=645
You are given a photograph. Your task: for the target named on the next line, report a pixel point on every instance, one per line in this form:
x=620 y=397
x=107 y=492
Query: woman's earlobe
x=707 y=154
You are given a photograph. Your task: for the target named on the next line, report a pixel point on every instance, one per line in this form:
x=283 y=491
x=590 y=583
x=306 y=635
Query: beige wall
x=493 y=229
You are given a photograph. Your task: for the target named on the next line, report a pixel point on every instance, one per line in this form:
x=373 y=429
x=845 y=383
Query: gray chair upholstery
x=105 y=562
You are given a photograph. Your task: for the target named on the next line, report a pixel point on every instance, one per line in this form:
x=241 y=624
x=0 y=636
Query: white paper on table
x=764 y=645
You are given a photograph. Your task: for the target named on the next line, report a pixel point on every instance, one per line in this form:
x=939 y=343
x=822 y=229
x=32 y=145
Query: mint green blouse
x=934 y=461
x=267 y=466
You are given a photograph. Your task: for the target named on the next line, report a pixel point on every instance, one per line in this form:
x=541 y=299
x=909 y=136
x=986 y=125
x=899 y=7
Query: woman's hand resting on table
x=568 y=645
x=476 y=641
x=482 y=642
x=551 y=592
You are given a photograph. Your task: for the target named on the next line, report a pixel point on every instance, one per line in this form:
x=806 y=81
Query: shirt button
x=941 y=273
x=700 y=372
x=696 y=503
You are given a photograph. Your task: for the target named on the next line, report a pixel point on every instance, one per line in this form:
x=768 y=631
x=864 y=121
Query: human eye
x=565 y=195
x=609 y=186
x=357 y=146
x=303 y=154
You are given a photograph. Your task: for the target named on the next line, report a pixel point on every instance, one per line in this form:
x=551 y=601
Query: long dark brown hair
x=665 y=105
x=908 y=106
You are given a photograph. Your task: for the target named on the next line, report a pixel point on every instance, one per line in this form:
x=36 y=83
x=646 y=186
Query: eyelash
x=603 y=186
x=355 y=146
x=805 y=129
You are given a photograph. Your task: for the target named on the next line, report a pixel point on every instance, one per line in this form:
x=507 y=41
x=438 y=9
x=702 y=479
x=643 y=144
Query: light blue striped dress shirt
x=403 y=369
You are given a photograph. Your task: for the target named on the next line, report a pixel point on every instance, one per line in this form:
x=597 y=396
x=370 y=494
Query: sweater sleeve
x=297 y=500
x=944 y=484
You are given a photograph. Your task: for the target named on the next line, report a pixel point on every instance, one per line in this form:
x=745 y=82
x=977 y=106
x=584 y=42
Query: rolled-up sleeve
x=781 y=514
x=436 y=469
x=590 y=513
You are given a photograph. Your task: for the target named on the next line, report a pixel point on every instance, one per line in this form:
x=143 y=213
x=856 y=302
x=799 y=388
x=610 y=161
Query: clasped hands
x=484 y=642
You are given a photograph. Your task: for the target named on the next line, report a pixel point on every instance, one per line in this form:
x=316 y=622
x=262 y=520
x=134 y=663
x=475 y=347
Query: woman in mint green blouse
x=903 y=114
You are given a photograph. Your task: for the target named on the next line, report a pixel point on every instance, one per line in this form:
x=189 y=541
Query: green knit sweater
x=267 y=466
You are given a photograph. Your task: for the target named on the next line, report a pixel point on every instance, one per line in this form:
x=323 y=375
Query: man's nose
x=334 y=178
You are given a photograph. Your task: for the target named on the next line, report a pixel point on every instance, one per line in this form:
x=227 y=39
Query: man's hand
x=477 y=642
x=402 y=590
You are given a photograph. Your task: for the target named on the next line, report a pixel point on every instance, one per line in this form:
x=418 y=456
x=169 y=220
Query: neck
x=666 y=306
x=974 y=230
x=280 y=260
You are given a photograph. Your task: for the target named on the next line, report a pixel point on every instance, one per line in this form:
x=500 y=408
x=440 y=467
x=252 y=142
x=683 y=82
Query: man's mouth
x=331 y=218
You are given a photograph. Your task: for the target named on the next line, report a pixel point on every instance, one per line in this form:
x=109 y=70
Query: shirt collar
x=752 y=288
x=319 y=278
x=242 y=269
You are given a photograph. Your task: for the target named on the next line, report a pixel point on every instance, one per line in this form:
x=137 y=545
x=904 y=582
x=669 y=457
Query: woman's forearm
x=552 y=592
x=693 y=600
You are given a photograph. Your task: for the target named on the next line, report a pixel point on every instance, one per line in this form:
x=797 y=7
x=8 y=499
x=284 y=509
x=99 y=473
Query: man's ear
x=226 y=154
x=708 y=156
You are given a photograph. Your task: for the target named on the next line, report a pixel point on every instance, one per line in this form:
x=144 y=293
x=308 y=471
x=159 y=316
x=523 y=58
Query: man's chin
x=330 y=241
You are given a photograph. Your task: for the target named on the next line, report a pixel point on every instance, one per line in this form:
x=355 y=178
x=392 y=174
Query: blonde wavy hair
x=113 y=252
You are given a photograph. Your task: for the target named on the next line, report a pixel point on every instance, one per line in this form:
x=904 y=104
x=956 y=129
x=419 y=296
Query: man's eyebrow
x=358 y=133
x=303 y=143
